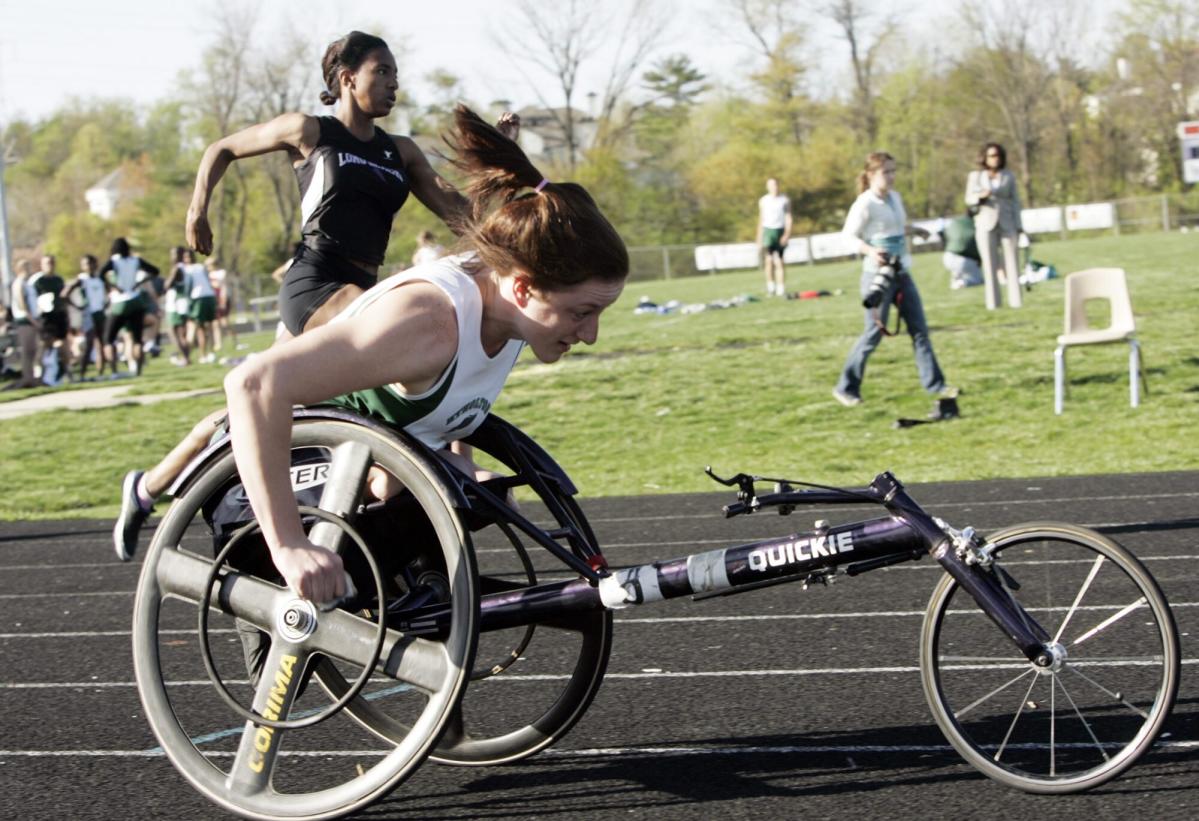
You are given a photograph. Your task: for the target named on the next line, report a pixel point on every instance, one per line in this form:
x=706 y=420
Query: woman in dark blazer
x=991 y=192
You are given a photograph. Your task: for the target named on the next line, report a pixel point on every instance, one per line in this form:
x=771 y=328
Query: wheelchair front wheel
x=1091 y=714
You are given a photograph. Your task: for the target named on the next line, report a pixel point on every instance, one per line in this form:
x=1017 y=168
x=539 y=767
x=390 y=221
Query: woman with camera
x=994 y=202
x=878 y=223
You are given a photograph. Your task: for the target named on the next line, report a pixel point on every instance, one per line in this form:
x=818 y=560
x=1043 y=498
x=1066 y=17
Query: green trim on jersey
x=386 y=405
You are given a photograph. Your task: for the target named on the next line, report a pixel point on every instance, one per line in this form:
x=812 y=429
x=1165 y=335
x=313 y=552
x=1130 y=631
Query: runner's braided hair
x=552 y=231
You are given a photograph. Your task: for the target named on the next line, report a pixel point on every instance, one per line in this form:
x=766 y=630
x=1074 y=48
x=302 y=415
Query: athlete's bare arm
x=295 y=133
x=409 y=337
x=434 y=192
x=427 y=185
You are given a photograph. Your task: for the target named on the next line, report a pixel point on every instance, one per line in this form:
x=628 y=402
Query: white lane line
x=137 y=565
x=827 y=671
x=98 y=634
x=105 y=541
x=594 y=752
x=741 y=539
x=931 y=506
x=738 y=541
x=551 y=576
x=870 y=614
x=75 y=595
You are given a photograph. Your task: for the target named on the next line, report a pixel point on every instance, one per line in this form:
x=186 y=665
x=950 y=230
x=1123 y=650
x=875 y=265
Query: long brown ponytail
x=554 y=232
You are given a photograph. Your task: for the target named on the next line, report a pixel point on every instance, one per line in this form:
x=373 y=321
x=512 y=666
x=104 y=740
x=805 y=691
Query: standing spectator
x=224 y=284
x=178 y=286
x=878 y=223
x=129 y=299
x=427 y=248
x=991 y=193
x=23 y=303
x=774 y=229
x=95 y=299
x=54 y=354
x=201 y=307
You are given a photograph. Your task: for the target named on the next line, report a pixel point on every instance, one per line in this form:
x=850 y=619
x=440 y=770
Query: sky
x=53 y=49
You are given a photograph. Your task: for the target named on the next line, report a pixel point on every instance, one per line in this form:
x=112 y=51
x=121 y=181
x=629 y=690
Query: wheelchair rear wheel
x=332 y=768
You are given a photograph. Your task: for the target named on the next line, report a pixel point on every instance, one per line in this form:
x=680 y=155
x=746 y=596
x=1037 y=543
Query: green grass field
x=748 y=389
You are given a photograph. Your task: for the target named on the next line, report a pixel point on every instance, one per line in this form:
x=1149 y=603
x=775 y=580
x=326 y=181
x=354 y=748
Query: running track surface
x=778 y=703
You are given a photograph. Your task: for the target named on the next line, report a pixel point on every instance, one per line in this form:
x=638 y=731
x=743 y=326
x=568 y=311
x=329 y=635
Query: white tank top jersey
x=94 y=292
x=463 y=395
x=126 y=269
x=197 y=275
x=17 y=300
x=774 y=210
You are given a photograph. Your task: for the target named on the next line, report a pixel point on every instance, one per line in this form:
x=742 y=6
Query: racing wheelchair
x=1048 y=654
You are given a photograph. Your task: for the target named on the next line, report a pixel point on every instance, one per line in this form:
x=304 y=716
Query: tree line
x=673 y=155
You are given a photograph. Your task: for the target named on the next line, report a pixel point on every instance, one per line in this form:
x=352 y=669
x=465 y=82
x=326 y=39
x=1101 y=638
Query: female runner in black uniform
x=353 y=178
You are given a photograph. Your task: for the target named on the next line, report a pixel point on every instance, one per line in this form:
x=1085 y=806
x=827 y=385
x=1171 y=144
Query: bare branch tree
x=279 y=83
x=777 y=35
x=642 y=32
x=1012 y=74
x=558 y=40
x=218 y=92
x=864 y=49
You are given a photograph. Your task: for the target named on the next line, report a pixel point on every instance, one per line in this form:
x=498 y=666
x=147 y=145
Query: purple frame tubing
x=908 y=533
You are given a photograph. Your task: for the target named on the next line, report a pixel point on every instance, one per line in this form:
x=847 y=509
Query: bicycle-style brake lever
x=742 y=481
x=727 y=482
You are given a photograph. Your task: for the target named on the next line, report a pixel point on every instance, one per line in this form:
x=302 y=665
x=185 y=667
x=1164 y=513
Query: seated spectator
x=961 y=256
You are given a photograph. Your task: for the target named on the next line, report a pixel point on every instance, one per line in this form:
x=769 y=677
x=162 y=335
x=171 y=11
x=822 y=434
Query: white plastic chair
x=1097 y=283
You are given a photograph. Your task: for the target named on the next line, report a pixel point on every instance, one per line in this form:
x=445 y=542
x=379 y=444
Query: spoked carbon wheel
x=332 y=768
x=530 y=683
x=1091 y=713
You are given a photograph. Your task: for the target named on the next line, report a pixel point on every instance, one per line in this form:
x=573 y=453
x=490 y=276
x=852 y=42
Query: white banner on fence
x=933 y=226
x=797 y=251
x=746 y=255
x=721 y=257
x=828 y=246
x=1090 y=215
x=1041 y=220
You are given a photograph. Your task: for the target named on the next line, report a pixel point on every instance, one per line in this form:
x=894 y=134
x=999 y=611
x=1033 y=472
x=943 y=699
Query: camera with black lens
x=891 y=267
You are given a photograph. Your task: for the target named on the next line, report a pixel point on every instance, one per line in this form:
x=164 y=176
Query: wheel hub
x=1051 y=660
x=297 y=620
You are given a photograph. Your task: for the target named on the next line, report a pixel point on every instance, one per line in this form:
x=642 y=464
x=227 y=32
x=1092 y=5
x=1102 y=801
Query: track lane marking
x=594 y=752
x=549 y=577
x=867 y=614
x=664 y=674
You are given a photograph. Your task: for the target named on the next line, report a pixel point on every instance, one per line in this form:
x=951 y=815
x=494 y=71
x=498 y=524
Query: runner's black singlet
x=349 y=192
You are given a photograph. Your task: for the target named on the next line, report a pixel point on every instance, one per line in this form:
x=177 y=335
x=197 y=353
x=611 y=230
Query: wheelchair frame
x=907 y=532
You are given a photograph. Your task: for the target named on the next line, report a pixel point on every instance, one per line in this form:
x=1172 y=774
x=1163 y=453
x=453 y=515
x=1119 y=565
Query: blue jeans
x=912 y=312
